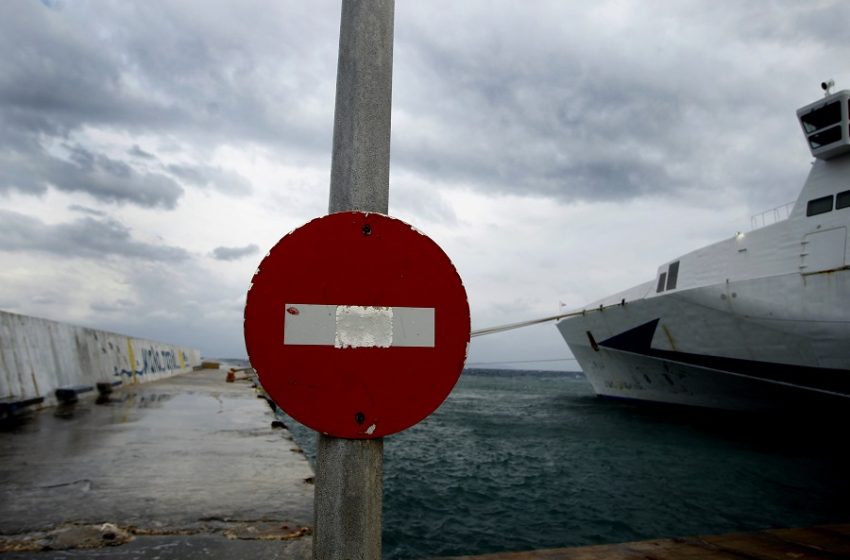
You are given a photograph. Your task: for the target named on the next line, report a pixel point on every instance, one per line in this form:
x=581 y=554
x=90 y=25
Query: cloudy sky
x=152 y=152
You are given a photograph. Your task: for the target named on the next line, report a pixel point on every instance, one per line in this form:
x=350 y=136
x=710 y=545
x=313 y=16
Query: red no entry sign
x=357 y=325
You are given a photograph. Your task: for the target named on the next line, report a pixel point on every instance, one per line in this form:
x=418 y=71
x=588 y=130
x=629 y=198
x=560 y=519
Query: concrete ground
x=824 y=542
x=187 y=467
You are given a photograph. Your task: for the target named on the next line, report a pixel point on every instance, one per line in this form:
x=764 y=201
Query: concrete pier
x=822 y=542
x=185 y=467
x=39 y=357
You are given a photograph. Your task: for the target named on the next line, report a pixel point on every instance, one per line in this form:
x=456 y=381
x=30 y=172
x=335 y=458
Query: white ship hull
x=721 y=346
x=760 y=320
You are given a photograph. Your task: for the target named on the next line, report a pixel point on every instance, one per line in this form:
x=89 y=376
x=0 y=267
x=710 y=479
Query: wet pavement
x=187 y=467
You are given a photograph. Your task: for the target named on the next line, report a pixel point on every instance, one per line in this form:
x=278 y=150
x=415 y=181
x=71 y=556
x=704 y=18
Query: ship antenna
x=827 y=87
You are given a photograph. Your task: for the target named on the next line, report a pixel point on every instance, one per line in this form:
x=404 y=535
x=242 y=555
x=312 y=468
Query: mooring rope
x=521 y=324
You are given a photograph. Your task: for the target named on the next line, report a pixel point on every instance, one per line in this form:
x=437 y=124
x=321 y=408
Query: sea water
x=518 y=460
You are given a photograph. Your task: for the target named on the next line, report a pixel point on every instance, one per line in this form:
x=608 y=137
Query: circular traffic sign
x=357 y=324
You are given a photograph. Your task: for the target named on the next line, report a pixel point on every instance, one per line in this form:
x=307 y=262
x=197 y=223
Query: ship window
x=819 y=206
x=822 y=117
x=825 y=137
x=842 y=200
x=672 y=275
x=662 y=279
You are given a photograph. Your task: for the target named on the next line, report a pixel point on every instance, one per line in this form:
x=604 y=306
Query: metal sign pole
x=360 y=169
x=349 y=473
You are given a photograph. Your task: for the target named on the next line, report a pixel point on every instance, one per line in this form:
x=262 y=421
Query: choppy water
x=524 y=460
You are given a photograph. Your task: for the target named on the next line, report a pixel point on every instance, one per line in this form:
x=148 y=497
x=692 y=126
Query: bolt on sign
x=357 y=324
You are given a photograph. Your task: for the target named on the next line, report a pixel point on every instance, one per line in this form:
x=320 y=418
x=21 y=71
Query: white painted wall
x=38 y=356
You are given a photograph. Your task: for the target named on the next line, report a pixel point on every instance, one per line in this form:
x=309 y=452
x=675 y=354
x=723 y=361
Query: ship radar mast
x=826 y=123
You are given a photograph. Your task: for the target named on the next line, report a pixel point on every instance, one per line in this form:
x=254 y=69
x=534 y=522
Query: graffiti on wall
x=38 y=356
x=152 y=360
x=155 y=361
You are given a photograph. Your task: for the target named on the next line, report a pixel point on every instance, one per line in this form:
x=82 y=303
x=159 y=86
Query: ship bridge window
x=825 y=137
x=823 y=117
x=662 y=280
x=819 y=206
x=672 y=275
x=842 y=200
x=667 y=280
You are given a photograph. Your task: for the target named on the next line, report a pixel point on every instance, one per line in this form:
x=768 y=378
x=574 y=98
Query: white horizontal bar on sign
x=356 y=326
x=413 y=326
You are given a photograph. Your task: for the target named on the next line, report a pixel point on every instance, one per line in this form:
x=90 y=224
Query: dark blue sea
x=519 y=460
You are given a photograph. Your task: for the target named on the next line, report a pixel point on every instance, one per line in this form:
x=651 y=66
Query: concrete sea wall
x=38 y=356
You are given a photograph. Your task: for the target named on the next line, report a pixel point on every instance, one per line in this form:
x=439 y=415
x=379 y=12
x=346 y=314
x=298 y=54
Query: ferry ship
x=757 y=321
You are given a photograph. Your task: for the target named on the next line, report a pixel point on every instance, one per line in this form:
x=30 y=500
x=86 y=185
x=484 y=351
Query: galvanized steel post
x=349 y=473
x=360 y=169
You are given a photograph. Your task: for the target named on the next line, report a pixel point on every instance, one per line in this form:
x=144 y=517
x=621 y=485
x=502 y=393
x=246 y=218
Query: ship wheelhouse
x=826 y=124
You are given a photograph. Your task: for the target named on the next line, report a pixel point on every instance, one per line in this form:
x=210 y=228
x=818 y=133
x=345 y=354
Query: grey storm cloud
x=136 y=151
x=117 y=306
x=234 y=253
x=86 y=237
x=86 y=210
x=227 y=182
x=234 y=75
x=540 y=98
x=102 y=177
x=575 y=103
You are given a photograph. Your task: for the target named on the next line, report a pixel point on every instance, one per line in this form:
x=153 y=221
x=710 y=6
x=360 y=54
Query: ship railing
x=771 y=216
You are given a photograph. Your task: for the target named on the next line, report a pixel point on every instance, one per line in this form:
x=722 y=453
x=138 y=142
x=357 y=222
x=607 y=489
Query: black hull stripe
x=639 y=339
